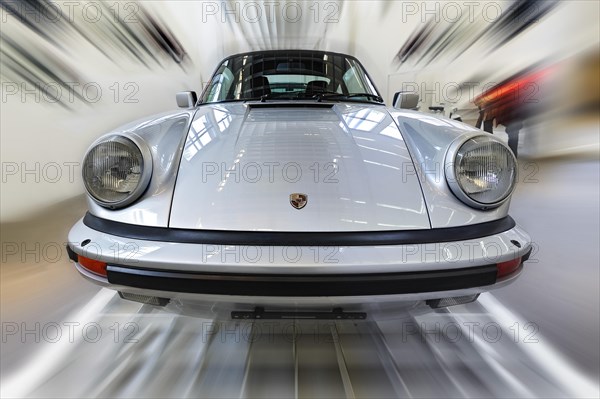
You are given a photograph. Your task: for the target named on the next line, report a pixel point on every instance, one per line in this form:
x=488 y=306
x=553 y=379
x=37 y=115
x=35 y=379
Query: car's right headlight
x=116 y=171
x=481 y=171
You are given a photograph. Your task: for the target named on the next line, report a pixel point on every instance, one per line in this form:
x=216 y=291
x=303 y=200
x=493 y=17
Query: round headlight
x=483 y=172
x=116 y=171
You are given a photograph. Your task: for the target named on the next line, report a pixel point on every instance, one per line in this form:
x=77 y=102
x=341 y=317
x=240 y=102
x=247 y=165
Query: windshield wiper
x=329 y=95
x=262 y=98
x=266 y=97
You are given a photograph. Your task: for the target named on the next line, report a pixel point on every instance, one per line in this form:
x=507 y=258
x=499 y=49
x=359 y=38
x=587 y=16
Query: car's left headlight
x=481 y=171
x=116 y=171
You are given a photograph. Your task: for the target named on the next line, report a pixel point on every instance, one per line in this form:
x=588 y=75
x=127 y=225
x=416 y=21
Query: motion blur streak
x=43 y=63
x=546 y=357
x=178 y=356
x=44 y=365
x=449 y=39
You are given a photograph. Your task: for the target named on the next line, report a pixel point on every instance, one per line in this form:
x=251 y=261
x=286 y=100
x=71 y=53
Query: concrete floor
x=539 y=337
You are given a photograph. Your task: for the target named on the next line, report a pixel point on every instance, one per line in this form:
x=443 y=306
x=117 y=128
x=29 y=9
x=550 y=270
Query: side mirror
x=406 y=100
x=186 y=99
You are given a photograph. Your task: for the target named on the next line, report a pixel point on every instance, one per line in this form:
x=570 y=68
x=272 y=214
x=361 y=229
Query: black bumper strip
x=72 y=255
x=303 y=285
x=303 y=238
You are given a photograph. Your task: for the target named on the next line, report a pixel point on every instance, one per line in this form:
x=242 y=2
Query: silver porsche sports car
x=289 y=186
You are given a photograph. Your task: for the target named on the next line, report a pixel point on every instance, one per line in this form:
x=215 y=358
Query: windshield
x=290 y=75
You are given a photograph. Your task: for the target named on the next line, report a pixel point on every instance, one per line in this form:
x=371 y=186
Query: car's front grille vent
x=290 y=105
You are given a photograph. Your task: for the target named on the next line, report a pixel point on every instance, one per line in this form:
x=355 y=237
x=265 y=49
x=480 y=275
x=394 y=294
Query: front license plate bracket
x=259 y=313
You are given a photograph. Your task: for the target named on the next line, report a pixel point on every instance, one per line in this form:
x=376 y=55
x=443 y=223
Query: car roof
x=308 y=52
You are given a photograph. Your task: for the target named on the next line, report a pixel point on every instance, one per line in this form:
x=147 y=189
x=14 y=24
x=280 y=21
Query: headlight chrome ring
x=117 y=170
x=481 y=171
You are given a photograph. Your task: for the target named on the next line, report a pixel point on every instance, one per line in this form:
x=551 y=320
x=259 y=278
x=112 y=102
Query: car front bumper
x=298 y=275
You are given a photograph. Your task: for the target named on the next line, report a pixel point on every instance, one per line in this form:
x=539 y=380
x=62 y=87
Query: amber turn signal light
x=508 y=267
x=94 y=266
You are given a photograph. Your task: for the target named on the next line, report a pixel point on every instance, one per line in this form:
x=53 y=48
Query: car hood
x=241 y=163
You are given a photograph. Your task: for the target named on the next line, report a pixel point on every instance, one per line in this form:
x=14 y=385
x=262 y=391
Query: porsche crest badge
x=298 y=200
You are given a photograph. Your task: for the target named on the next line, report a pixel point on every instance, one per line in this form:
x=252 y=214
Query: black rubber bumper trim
x=303 y=285
x=72 y=255
x=290 y=238
x=527 y=255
